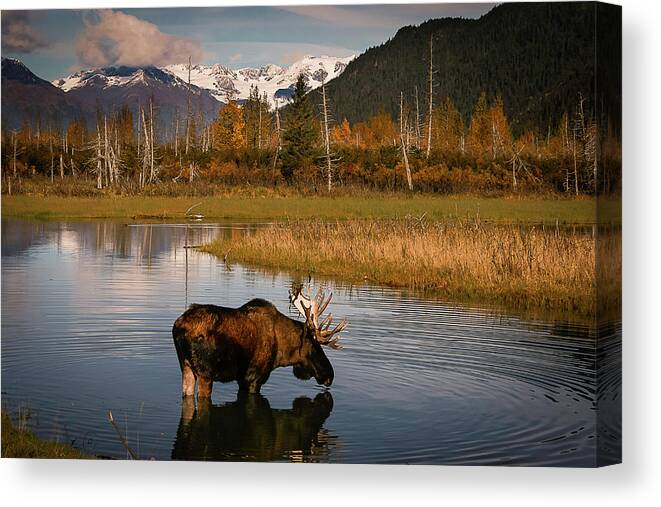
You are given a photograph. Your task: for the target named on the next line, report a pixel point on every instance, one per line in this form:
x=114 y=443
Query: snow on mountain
x=118 y=76
x=272 y=79
x=211 y=84
x=112 y=87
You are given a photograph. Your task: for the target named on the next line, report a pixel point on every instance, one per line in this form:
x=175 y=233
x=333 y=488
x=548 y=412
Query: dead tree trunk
x=99 y=167
x=401 y=138
x=145 y=150
x=259 y=124
x=417 y=120
x=431 y=94
x=277 y=133
x=152 y=176
x=52 y=162
x=64 y=150
x=106 y=153
x=14 y=159
x=188 y=120
x=176 y=136
x=575 y=167
x=329 y=169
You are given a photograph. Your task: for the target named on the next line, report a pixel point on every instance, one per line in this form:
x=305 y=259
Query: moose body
x=244 y=344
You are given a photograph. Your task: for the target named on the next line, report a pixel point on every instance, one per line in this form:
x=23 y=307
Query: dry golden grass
x=522 y=267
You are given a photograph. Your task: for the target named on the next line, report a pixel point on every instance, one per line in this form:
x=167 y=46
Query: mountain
x=536 y=56
x=26 y=97
x=111 y=87
x=275 y=81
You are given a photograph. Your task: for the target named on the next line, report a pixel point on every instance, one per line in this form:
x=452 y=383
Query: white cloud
x=115 y=38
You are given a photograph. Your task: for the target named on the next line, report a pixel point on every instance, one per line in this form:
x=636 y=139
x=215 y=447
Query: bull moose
x=246 y=344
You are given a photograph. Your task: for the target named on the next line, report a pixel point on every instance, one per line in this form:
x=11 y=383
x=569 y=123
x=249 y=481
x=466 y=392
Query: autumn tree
x=479 y=132
x=256 y=118
x=501 y=136
x=229 y=131
x=124 y=123
x=448 y=129
x=384 y=131
x=341 y=134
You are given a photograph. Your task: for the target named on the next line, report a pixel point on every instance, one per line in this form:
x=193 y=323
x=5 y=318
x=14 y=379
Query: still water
x=87 y=311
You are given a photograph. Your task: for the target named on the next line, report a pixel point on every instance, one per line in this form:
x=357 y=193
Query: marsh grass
x=273 y=204
x=522 y=267
x=18 y=442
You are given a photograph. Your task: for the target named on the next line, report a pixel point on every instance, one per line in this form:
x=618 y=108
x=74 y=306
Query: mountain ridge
x=218 y=79
x=537 y=57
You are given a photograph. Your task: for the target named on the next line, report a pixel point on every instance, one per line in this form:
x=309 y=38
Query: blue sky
x=57 y=42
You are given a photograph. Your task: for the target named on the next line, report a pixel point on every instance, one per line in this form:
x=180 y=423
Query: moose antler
x=313 y=309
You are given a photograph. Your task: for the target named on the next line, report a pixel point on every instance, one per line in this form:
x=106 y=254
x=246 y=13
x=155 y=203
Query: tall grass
x=520 y=267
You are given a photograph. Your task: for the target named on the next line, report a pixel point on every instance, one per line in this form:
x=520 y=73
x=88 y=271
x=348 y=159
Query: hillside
x=536 y=56
x=26 y=97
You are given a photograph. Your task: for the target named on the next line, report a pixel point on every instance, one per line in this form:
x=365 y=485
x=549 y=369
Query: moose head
x=317 y=332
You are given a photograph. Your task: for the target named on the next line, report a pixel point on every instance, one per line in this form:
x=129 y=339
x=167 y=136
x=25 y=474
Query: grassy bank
x=271 y=205
x=20 y=443
x=522 y=268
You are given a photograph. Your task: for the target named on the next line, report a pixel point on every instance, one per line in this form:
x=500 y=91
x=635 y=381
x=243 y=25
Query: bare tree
x=402 y=128
x=50 y=138
x=13 y=132
x=99 y=158
x=188 y=113
x=176 y=133
x=326 y=137
x=431 y=93
x=417 y=120
x=152 y=174
x=277 y=133
x=146 y=151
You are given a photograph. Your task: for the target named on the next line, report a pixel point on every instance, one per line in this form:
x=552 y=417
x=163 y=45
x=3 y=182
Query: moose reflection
x=248 y=429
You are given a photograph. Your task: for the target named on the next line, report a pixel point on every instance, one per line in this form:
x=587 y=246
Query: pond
x=87 y=312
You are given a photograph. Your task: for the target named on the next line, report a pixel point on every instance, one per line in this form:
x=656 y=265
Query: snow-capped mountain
x=133 y=86
x=272 y=79
x=84 y=93
x=217 y=81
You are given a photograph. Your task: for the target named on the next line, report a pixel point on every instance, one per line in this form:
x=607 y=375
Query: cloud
x=18 y=35
x=115 y=38
x=256 y=54
x=372 y=16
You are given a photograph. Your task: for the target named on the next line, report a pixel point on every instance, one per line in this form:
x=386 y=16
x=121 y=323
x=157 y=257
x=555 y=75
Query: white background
x=636 y=482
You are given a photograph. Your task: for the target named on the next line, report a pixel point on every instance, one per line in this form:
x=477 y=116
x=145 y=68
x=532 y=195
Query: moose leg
x=204 y=387
x=187 y=411
x=187 y=380
x=252 y=381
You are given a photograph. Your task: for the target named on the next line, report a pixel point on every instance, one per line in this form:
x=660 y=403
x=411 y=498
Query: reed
x=522 y=267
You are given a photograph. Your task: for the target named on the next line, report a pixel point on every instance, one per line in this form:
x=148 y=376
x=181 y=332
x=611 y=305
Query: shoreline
x=18 y=442
x=511 y=209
